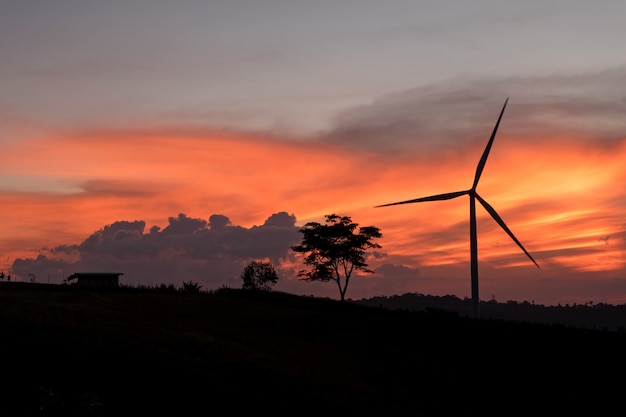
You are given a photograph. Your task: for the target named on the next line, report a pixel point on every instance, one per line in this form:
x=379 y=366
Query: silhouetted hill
x=588 y=316
x=70 y=352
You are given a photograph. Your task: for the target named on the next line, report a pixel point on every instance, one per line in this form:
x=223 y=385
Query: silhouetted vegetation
x=191 y=287
x=335 y=251
x=138 y=351
x=599 y=316
x=259 y=275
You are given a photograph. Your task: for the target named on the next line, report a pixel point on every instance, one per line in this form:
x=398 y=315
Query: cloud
x=218 y=221
x=212 y=252
x=118 y=188
x=404 y=279
x=458 y=111
x=183 y=225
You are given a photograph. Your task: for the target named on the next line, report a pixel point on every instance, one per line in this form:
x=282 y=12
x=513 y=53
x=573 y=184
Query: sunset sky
x=180 y=140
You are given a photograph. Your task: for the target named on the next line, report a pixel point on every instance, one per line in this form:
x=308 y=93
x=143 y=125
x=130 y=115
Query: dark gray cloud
x=183 y=225
x=211 y=252
x=459 y=111
x=218 y=221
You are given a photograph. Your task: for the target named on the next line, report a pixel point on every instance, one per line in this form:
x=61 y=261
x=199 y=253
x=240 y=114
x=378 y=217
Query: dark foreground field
x=73 y=352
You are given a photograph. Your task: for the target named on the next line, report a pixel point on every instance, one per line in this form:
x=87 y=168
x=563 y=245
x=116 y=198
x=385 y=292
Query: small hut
x=96 y=279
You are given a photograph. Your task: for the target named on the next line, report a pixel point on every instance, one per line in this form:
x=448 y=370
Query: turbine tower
x=473 y=196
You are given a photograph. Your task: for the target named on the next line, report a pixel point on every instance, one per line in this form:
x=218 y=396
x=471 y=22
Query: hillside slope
x=76 y=352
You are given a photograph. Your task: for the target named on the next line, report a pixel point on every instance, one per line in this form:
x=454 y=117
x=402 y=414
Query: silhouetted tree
x=335 y=251
x=191 y=287
x=259 y=275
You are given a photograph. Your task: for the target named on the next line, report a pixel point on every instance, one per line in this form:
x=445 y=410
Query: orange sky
x=178 y=141
x=561 y=196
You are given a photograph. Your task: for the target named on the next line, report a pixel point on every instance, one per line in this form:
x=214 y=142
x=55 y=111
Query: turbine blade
x=499 y=220
x=446 y=196
x=483 y=159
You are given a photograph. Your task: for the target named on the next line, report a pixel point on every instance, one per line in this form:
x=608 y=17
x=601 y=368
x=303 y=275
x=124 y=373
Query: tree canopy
x=259 y=275
x=335 y=251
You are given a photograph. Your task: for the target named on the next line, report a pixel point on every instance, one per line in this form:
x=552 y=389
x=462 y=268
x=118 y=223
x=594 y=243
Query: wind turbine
x=473 y=195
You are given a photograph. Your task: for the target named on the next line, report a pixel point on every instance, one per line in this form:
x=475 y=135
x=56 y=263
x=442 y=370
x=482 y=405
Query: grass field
x=69 y=351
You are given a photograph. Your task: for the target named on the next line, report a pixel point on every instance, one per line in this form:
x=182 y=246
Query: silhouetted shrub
x=190 y=287
x=258 y=275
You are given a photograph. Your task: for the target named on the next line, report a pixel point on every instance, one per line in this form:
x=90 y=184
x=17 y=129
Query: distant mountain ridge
x=598 y=316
